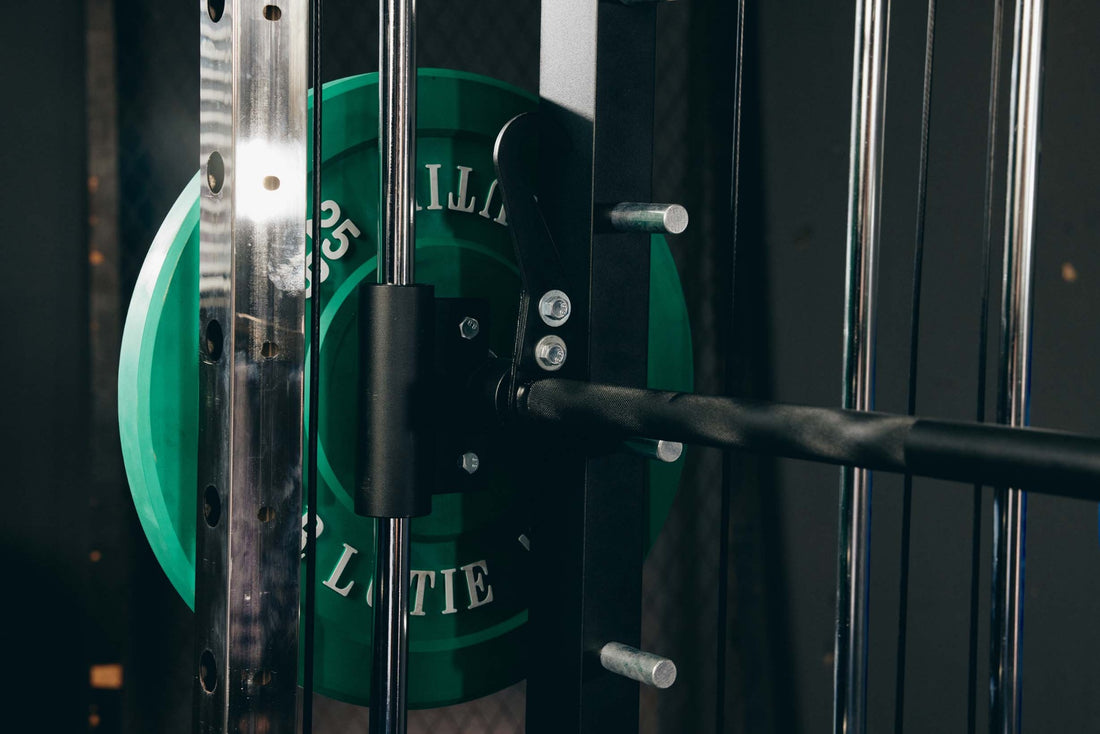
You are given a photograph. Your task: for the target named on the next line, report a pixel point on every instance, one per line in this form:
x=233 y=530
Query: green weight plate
x=470 y=575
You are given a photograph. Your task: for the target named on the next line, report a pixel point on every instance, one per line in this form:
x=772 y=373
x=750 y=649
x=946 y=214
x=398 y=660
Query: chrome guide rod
x=864 y=205
x=397 y=139
x=1013 y=407
x=397 y=146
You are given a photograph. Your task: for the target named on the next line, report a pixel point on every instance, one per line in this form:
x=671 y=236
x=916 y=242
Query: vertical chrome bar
x=1014 y=395
x=864 y=204
x=251 y=317
x=309 y=598
x=396 y=266
x=390 y=672
x=397 y=140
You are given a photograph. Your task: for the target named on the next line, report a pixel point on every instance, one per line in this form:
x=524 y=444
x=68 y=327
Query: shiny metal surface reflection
x=864 y=206
x=397 y=140
x=396 y=266
x=1014 y=394
x=251 y=304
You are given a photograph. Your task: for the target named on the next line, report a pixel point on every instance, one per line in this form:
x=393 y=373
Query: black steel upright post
x=596 y=84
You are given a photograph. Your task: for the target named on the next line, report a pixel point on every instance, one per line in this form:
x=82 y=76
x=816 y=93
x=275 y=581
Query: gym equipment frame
x=566 y=409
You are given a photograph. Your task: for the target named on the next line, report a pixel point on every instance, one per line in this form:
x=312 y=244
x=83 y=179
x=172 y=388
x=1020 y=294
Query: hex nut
x=555 y=307
x=550 y=353
x=469 y=462
x=469 y=327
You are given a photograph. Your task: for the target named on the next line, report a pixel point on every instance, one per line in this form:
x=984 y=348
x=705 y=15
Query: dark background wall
x=66 y=611
x=43 y=416
x=804 y=70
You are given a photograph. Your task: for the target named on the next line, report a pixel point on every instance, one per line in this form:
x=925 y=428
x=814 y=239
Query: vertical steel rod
x=309 y=606
x=1010 y=505
x=729 y=477
x=397 y=146
x=390 y=674
x=397 y=140
x=864 y=204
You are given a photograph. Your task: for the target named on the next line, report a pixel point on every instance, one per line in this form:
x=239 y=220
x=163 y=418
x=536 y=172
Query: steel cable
x=914 y=345
x=314 y=383
x=727 y=459
x=983 y=338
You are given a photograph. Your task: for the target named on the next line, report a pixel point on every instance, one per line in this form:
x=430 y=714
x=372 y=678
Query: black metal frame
x=596 y=83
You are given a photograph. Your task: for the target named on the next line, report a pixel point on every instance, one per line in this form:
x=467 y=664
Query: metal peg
x=666 y=451
x=639 y=217
x=644 y=667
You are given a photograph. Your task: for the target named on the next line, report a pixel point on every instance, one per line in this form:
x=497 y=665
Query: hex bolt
x=550 y=353
x=555 y=307
x=469 y=327
x=644 y=667
x=469 y=462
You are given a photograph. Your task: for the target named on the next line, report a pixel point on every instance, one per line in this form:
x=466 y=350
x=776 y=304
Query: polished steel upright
x=396 y=260
x=397 y=140
x=1014 y=395
x=861 y=283
x=251 y=320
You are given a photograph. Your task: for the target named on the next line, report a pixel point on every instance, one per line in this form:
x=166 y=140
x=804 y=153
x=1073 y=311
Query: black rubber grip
x=396 y=438
x=1048 y=462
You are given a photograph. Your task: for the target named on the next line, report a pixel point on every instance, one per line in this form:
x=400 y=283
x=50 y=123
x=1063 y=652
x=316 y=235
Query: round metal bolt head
x=470 y=462
x=664 y=674
x=675 y=219
x=669 y=451
x=555 y=307
x=550 y=353
x=644 y=217
x=469 y=327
